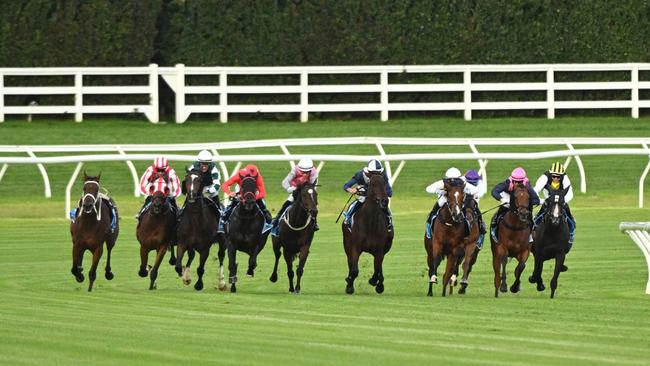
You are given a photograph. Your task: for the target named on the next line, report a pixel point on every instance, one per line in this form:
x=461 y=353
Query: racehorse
x=244 y=231
x=370 y=233
x=90 y=229
x=513 y=232
x=447 y=239
x=551 y=239
x=155 y=230
x=196 y=231
x=296 y=232
x=471 y=249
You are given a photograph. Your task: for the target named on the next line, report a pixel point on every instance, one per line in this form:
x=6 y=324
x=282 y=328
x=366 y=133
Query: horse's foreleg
x=172 y=257
x=153 y=274
x=523 y=257
x=277 y=251
x=449 y=271
x=302 y=260
x=559 y=262
x=221 y=255
x=77 y=260
x=252 y=262
x=504 y=262
x=536 y=277
x=204 y=255
x=353 y=270
x=468 y=261
x=378 y=276
x=431 y=278
x=92 y=274
x=108 y=274
x=232 y=266
x=289 y=260
x=180 y=250
x=496 y=266
x=144 y=257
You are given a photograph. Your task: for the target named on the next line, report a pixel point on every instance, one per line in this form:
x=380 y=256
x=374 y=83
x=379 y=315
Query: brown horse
x=447 y=239
x=471 y=249
x=296 y=232
x=155 y=230
x=196 y=231
x=90 y=229
x=513 y=232
x=370 y=233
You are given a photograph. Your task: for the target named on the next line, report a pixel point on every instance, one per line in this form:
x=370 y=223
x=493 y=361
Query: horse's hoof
x=80 y=278
x=541 y=287
x=349 y=290
x=514 y=289
x=232 y=279
x=250 y=272
x=222 y=286
x=153 y=286
x=233 y=288
x=373 y=281
x=274 y=278
x=142 y=272
x=430 y=293
x=198 y=286
x=379 y=288
x=433 y=279
x=503 y=288
x=109 y=275
x=172 y=261
x=461 y=290
x=179 y=271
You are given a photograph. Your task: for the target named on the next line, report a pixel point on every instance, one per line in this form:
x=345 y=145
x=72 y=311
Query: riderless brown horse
x=90 y=229
x=447 y=238
x=155 y=230
x=551 y=239
x=296 y=232
x=470 y=244
x=370 y=233
x=244 y=231
x=196 y=231
x=513 y=233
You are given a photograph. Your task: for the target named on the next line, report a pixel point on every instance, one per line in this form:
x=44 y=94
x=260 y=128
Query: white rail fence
x=129 y=153
x=640 y=234
x=384 y=88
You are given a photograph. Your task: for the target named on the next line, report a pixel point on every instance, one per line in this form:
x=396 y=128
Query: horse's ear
x=99 y=176
x=85 y=175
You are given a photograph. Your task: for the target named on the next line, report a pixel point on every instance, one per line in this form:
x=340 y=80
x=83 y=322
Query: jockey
x=210 y=177
x=472 y=177
x=361 y=179
x=159 y=168
x=301 y=173
x=453 y=177
x=249 y=171
x=501 y=192
x=555 y=178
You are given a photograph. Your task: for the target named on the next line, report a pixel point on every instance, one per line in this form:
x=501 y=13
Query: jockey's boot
x=354 y=207
x=286 y=204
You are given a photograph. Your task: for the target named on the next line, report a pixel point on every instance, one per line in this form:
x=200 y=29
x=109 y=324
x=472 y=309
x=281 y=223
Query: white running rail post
x=640 y=234
x=46 y=179
x=3 y=170
x=642 y=179
x=68 y=189
x=134 y=173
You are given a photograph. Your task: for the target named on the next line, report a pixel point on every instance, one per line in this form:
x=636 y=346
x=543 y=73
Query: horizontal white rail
x=129 y=153
x=640 y=234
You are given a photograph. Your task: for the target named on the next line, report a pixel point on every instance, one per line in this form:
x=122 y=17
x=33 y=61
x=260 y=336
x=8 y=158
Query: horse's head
x=192 y=185
x=307 y=197
x=248 y=193
x=90 y=192
x=159 y=193
x=377 y=189
x=556 y=206
x=455 y=198
x=520 y=202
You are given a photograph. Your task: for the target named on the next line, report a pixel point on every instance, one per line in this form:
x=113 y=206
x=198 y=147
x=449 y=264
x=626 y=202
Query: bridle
x=95 y=198
x=287 y=219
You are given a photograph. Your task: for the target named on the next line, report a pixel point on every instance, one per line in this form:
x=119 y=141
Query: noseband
x=95 y=198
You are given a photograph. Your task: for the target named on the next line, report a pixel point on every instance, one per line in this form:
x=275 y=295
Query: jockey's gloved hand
x=505 y=201
x=212 y=191
x=291 y=189
x=361 y=191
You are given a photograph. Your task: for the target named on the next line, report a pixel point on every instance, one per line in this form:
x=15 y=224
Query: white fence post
x=304 y=96
x=180 y=93
x=384 y=95
x=3 y=170
x=223 y=97
x=153 y=113
x=635 y=92
x=467 y=93
x=639 y=232
x=2 y=98
x=550 y=93
x=78 y=97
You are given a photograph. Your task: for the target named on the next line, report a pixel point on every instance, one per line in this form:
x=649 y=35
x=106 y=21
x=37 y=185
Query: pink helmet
x=160 y=163
x=517 y=175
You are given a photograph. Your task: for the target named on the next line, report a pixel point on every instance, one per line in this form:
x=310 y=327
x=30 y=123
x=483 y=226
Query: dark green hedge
x=322 y=32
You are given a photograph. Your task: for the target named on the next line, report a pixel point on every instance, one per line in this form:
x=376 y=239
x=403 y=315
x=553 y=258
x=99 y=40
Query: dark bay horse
x=513 y=233
x=155 y=230
x=471 y=249
x=447 y=239
x=196 y=231
x=244 y=231
x=551 y=239
x=91 y=229
x=370 y=233
x=296 y=232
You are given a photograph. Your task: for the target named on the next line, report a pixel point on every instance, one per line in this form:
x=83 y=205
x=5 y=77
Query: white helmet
x=204 y=157
x=374 y=165
x=305 y=164
x=452 y=173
